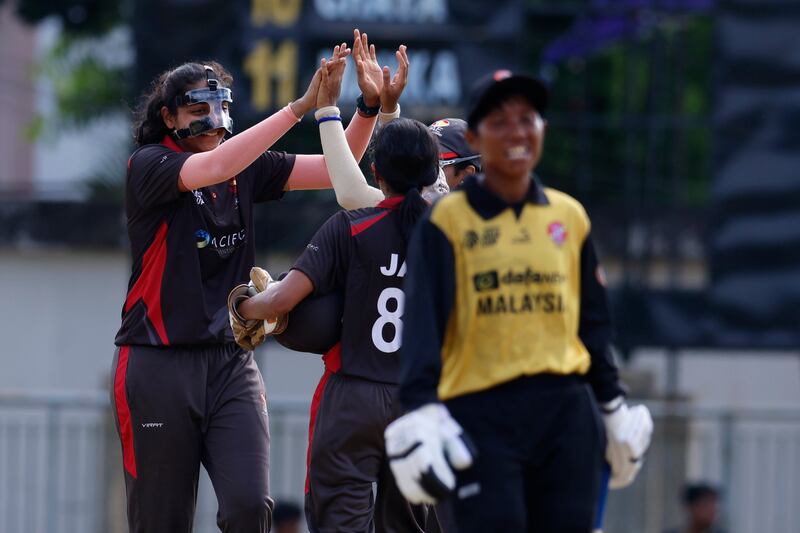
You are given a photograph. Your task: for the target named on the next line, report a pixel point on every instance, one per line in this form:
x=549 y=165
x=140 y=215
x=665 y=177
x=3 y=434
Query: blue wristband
x=326 y=119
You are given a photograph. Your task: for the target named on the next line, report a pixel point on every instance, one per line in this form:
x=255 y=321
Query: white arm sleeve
x=384 y=117
x=350 y=185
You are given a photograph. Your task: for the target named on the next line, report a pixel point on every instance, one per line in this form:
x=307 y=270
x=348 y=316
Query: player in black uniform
x=183 y=391
x=507 y=325
x=363 y=253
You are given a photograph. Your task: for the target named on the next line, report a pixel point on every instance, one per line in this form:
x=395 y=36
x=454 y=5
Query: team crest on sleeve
x=557 y=232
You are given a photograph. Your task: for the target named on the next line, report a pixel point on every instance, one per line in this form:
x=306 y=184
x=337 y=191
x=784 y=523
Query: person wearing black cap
x=456 y=158
x=507 y=341
x=359 y=253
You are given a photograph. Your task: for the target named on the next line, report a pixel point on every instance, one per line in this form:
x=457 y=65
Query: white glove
x=423 y=446
x=629 y=431
x=250 y=333
x=260 y=279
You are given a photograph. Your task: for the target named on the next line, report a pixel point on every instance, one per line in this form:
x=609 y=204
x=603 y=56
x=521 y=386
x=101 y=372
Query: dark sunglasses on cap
x=447 y=162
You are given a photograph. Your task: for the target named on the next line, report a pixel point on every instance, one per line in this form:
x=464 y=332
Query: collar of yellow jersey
x=488 y=205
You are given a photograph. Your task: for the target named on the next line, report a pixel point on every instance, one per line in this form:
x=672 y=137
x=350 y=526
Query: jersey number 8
x=389 y=317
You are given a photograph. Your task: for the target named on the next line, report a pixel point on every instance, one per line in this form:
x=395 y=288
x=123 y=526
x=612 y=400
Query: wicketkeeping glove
x=423 y=447
x=629 y=431
x=251 y=333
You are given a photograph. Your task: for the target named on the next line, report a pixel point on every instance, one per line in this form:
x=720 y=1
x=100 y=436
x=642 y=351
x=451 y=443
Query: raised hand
x=340 y=52
x=393 y=85
x=331 y=74
x=370 y=76
x=308 y=101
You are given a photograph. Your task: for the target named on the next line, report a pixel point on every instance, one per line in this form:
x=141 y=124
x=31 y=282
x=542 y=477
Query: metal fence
x=60 y=469
x=752 y=455
x=52 y=462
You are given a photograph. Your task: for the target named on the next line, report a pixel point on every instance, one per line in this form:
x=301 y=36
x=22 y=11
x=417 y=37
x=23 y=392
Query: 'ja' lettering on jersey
x=363 y=253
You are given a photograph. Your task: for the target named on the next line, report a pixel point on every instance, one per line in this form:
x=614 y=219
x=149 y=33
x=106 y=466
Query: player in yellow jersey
x=506 y=334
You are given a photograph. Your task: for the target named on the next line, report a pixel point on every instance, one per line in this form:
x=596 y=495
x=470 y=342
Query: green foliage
x=630 y=122
x=88 y=91
x=87 y=85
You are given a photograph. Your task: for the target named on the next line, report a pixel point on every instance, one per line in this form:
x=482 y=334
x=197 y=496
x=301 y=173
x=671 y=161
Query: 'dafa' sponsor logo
x=498 y=295
x=492 y=279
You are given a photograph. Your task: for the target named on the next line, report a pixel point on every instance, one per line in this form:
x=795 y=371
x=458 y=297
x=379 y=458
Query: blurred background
x=672 y=121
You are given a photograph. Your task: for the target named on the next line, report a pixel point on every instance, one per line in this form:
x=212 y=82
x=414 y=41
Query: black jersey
x=363 y=252
x=189 y=249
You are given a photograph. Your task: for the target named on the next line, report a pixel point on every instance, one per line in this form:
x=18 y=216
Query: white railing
x=60 y=467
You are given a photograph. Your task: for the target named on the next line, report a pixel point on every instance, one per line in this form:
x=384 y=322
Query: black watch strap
x=365 y=109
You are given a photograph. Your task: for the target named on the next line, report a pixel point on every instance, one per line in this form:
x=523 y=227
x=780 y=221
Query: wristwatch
x=365 y=109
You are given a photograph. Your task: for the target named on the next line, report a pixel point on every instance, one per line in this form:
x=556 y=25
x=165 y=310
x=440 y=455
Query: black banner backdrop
x=755 y=241
x=273 y=46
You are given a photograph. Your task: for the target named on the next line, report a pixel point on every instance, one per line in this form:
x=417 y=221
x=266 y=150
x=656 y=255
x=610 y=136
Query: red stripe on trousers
x=148 y=286
x=333 y=361
x=124 y=412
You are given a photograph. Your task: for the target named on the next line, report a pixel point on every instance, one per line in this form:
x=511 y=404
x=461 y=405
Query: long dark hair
x=407 y=159
x=148 y=126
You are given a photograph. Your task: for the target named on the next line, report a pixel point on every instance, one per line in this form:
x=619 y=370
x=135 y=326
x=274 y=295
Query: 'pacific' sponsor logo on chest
x=223 y=244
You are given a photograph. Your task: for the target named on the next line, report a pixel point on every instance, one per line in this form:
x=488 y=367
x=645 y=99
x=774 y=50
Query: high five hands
x=378 y=86
x=309 y=100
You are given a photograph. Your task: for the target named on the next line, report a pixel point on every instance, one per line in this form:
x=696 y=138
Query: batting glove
x=251 y=333
x=423 y=447
x=629 y=431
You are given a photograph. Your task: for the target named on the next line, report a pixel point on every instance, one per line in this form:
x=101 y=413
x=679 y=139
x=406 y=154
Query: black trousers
x=176 y=408
x=541 y=447
x=347 y=454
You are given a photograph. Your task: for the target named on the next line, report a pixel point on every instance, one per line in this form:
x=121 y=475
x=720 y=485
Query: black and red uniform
x=183 y=391
x=363 y=253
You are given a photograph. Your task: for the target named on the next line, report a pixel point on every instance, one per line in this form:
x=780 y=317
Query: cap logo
x=501 y=74
x=436 y=127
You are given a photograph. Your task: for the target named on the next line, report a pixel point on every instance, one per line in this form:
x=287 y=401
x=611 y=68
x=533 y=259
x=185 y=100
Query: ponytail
x=410 y=211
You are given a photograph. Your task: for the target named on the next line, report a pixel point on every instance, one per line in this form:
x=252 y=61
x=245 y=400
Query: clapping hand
x=393 y=85
x=331 y=74
x=370 y=76
x=308 y=101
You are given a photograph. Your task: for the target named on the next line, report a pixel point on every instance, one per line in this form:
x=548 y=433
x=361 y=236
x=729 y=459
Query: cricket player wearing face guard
x=506 y=340
x=214 y=100
x=184 y=393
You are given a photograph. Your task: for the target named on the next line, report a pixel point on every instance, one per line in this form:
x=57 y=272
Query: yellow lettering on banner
x=265 y=66
x=282 y=13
